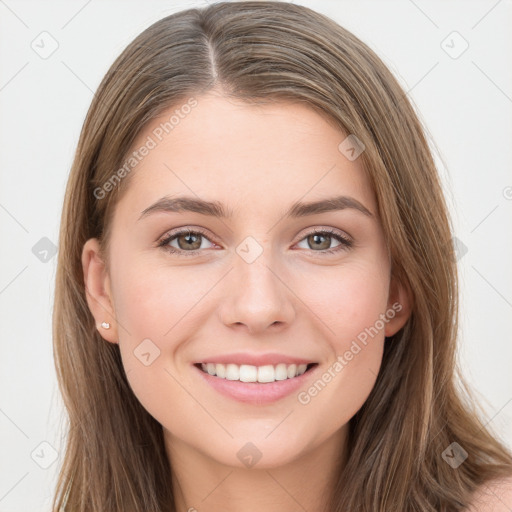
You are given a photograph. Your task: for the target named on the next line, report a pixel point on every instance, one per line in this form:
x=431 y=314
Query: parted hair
x=263 y=52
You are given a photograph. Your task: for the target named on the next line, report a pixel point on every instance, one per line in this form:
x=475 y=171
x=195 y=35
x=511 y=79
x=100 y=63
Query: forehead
x=253 y=158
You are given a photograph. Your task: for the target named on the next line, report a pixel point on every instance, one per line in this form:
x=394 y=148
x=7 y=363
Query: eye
x=320 y=241
x=186 y=242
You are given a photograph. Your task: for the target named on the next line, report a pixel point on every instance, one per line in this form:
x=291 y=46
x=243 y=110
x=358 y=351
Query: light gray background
x=464 y=102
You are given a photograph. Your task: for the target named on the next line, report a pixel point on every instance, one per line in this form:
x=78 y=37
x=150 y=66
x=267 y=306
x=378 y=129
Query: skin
x=494 y=496
x=257 y=161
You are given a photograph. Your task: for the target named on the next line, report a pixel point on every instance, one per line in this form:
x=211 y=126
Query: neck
x=203 y=484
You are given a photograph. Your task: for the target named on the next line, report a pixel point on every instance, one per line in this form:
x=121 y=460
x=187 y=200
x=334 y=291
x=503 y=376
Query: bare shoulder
x=495 y=496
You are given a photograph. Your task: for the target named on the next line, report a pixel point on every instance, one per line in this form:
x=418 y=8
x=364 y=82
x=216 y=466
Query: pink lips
x=256 y=393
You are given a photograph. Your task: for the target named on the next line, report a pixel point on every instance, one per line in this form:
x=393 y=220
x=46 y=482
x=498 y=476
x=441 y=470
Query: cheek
x=156 y=309
x=153 y=301
x=351 y=302
x=348 y=299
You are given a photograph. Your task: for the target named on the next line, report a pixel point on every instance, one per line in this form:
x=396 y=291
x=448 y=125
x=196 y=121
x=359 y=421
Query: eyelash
x=345 y=243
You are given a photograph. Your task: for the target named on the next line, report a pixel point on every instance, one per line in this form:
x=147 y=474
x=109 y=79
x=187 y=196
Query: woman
x=256 y=299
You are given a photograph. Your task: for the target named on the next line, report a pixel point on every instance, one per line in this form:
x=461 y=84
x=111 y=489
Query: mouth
x=265 y=374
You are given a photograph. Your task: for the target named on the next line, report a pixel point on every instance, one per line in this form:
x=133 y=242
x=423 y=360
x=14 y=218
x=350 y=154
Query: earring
x=105 y=325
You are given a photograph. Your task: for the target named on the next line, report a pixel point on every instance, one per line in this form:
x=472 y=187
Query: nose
x=256 y=297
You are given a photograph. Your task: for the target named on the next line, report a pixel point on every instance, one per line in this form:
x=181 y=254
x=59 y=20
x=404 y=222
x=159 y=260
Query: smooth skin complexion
x=295 y=299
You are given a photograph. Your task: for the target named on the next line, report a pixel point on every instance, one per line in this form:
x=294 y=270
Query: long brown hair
x=261 y=51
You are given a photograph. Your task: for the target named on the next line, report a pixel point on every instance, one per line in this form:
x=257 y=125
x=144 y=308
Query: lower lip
x=256 y=392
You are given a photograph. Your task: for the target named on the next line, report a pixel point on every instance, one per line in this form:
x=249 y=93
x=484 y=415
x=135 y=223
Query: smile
x=250 y=373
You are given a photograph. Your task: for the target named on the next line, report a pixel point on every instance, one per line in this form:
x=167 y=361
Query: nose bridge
x=257 y=297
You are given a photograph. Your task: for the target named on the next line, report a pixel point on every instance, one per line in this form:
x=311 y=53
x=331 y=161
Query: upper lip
x=255 y=359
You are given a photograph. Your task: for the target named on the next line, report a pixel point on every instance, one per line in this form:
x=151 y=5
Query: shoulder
x=494 y=496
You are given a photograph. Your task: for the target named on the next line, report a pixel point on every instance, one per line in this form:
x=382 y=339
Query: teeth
x=250 y=373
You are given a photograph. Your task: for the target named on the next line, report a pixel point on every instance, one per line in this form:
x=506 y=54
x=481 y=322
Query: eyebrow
x=216 y=209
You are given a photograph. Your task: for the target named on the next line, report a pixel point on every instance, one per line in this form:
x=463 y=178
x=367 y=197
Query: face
x=269 y=285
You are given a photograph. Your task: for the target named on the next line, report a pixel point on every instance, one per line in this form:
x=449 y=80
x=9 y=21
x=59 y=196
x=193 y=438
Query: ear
x=98 y=290
x=399 y=306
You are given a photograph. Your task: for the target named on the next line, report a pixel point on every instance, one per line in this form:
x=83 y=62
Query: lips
x=258 y=393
